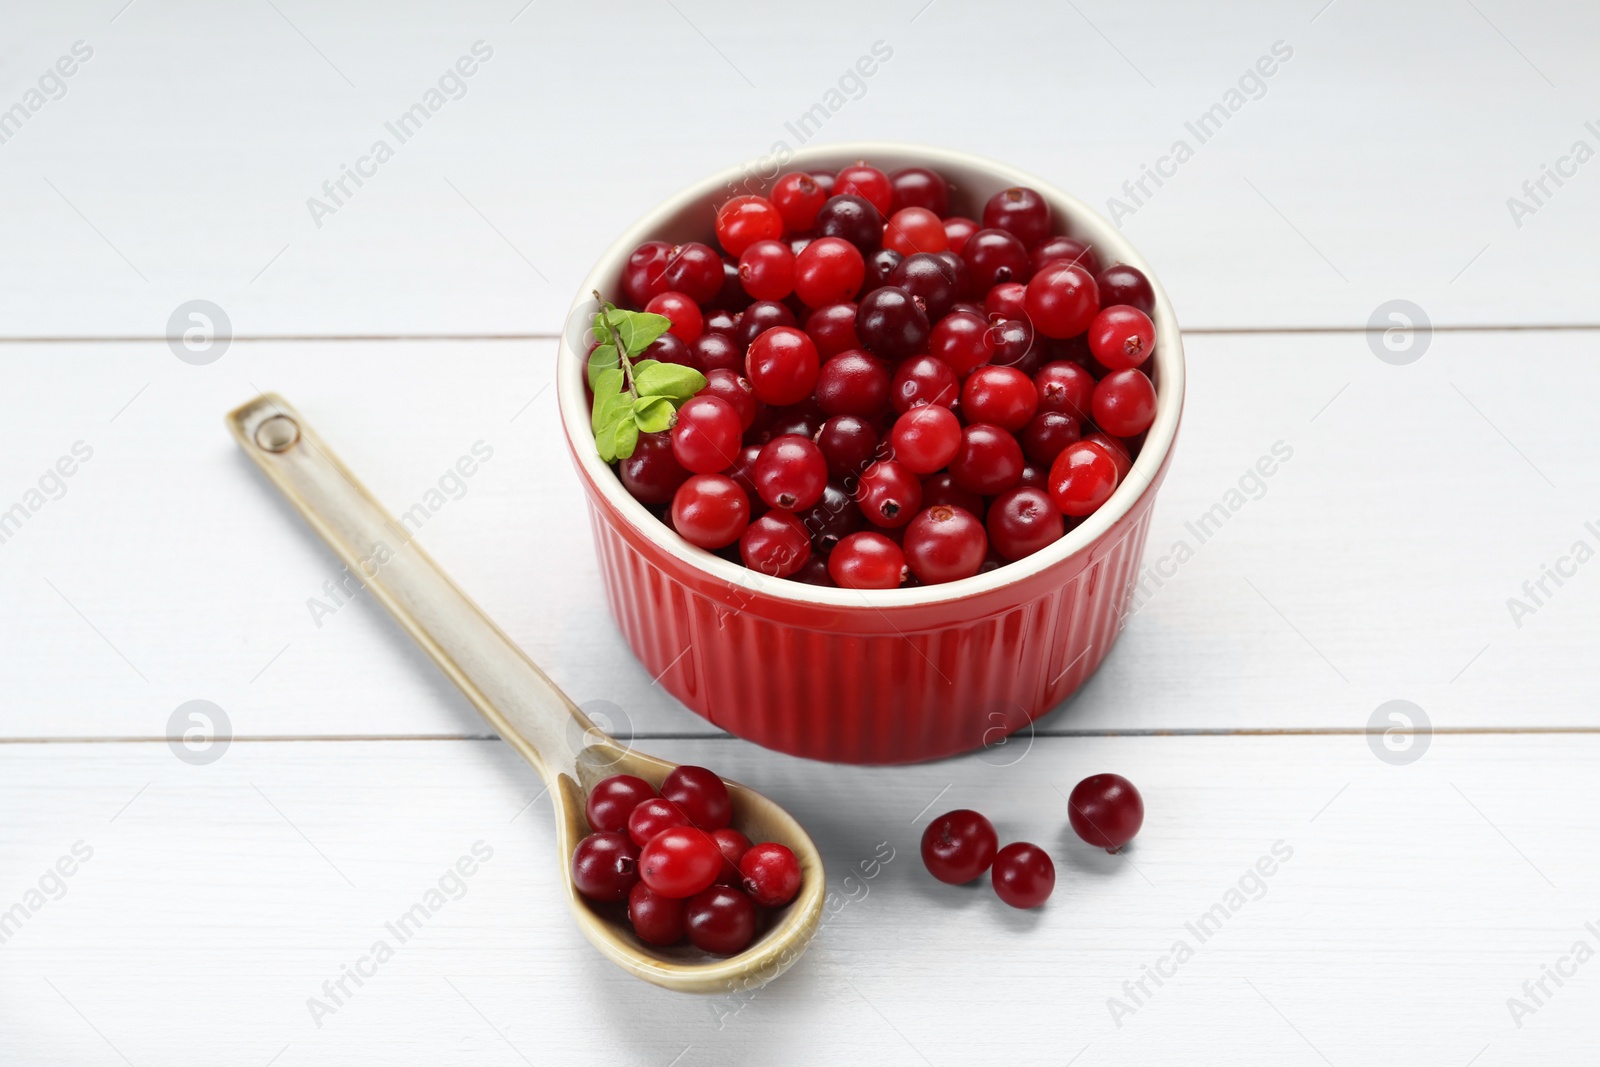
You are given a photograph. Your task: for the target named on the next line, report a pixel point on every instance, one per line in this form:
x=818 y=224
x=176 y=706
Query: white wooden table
x=1424 y=899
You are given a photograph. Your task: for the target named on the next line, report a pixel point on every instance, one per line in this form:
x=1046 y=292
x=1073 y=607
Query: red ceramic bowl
x=889 y=676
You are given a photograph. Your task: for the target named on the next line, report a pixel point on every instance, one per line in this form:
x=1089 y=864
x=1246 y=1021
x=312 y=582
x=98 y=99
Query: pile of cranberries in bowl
x=894 y=393
x=676 y=862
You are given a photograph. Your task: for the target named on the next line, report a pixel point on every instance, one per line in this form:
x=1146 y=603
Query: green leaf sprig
x=631 y=398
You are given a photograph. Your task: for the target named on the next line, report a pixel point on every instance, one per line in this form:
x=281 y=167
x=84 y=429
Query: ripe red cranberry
x=923 y=380
x=1035 y=476
x=1019 y=211
x=853 y=218
x=881 y=266
x=919 y=187
x=731 y=297
x=1014 y=344
x=714 y=351
x=651 y=816
x=1023 y=875
x=889 y=495
x=605 y=866
x=721 y=920
x=1122 y=284
x=994 y=256
x=816 y=573
x=1065 y=250
x=829 y=271
x=989 y=460
x=757 y=319
x=613 y=799
x=776 y=544
x=956 y=267
x=853 y=383
x=1047 y=433
x=1065 y=387
x=963 y=341
x=824 y=179
x=945 y=544
x=831 y=520
x=782 y=365
x=710 y=511
x=731 y=388
x=930 y=280
x=1124 y=403
x=848 y=443
x=701 y=794
x=915 y=229
x=798 y=198
x=767 y=270
x=832 y=329
x=1121 y=337
x=864 y=180
x=771 y=874
x=695 y=270
x=926 y=438
x=705 y=438
x=1081 y=479
x=744 y=220
x=958 y=230
x=1023 y=521
x=679 y=862
x=652 y=474
x=1006 y=300
x=668 y=348
x=791 y=473
x=743 y=472
x=644 y=276
x=658 y=920
x=720 y=320
x=942 y=489
x=890 y=324
x=867 y=560
x=1114 y=448
x=959 y=846
x=1062 y=300
x=687 y=321
x=1106 y=811
x=1003 y=396
x=733 y=845
x=803 y=419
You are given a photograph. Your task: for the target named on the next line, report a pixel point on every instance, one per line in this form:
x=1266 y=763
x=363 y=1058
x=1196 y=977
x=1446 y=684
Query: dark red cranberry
x=815 y=572
x=791 y=473
x=732 y=295
x=733 y=845
x=1015 y=345
x=1121 y=337
x=832 y=329
x=776 y=544
x=832 y=518
x=711 y=351
x=720 y=920
x=889 y=495
x=613 y=799
x=989 y=460
x=995 y=256
x=929 y=280
x=958 y=230
x=710 y=510
x=923 y=380
x=1062 y=300
x=919 y=187
x=694 y=269
x=853 y=218
x=652 y=474
x=1118 y=450
x=891 y=325
x=644 y=276
x=1023 y=875
x=1022 y=521
x=757 y=319
x=771 y=874
x=1122 y=284
x=942 y=489
x=957 y=271
x=730 y=387
x=658 y=920
x=853 y=383
x=1019 y=211
x=945 y=544
x=881 y=267
x=1106 y=811
x=804 y=419
x=720 y=320
x=1047 y=433
x=1035 y=476
x=651 y=816
x=701 y=794
x=743 y=472
x=962 y=340
x=1065 y=387
x=1066 y=250
x=959 y=846
x=668 y=348
x=849 y=443
x=605 y=866
x=867 y=560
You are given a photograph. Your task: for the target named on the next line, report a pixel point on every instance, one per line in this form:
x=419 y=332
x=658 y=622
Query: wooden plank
x=225 y=896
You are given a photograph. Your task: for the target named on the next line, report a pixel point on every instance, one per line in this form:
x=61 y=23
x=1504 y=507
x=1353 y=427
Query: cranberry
x=1121 y=337
x=776 y=544
x=853 y=218
x=757 y=319
x=1106 y=811
x=695 y=270
x=798 y=197
x=1047 y=433
x=680 y=862
x=1065 y=387
x=926 y=438
x=720 y=320
x=729 y=387
x=731 y=297
x=1020 y=212
x=771 y=874
x=915 y=229
x=995 y=256
x=1006 y=300
x=853 y=383
x=956 y=268
x=613 y=799
x=687 y=321
x=743 y=472
x=710 y=511
x=829 y=271
x=658 y=920
x=733 y=846
x=744 y=220
x=919 y=187
x=945 y=544
x=705 y=439
x=832 y=519
x=1023 y=521
x=959 y=846
x=767 y=270
x=1003 y=396
x=1124 y=403
x=1082 y=478
x=958 y=230
x=989 y=460
x=605 y=866
x=930 y=281
x=716 y=351
x=1023 y=875
x=1062 y=300
x=1122 y=284
x=824 y=180
x=867 y=560
x=782 y=365
x=721 y=920
x=923 y=380
x=644 y=276
x=1067 y=250
x=942 y=489
x=803 y=419
x=816 y=573
x=881 y=266
x=863 y=180
x=1113 y=448
x=1014 y=344
x=791 y=473
x=848 y=443
x=962 y=340
x=652 y=815
x=701 y=794
x=890 y=324
x=669 y=348
x=832 y=329
x=889 y=495
x=652 y=474
x=1035 y=476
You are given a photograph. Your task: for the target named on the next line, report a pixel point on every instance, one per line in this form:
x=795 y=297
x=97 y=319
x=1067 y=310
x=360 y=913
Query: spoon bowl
x=529 y=712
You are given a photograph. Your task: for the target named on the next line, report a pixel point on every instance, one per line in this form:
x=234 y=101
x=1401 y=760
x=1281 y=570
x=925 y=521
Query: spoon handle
x=512 y=693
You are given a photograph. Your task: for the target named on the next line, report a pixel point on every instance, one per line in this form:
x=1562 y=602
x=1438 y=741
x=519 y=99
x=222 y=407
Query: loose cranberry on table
x=720 y=919
x=959 y=846
x=1023 y=521
x=605 y=866
x=1106 y=811
x=1023 y=875
x=613 y=799
x=771 y=874
x=701 y=794
x=867 y=560
x=1082 y=478
x=655 y=918
x=710 y=510
x=1124 y=403
x=945 y=544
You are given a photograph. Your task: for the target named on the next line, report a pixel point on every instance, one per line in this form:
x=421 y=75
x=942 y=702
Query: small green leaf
x=635 y=330
x=669 y=380
x=653 y=413
x=627 y=438
x=606 y=389
x=606 y=415
x=601 y=359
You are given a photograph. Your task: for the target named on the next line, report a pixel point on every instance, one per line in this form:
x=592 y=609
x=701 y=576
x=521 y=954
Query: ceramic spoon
x=522 y=705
